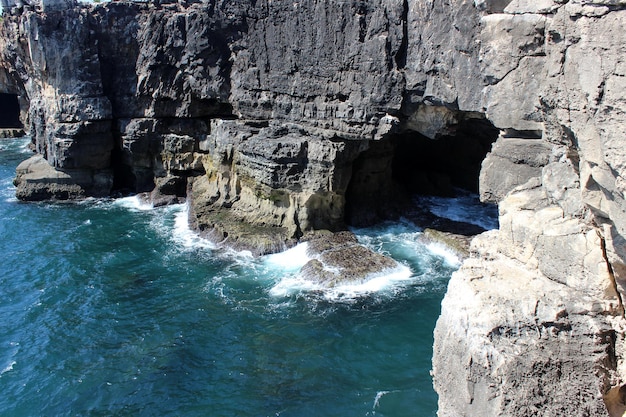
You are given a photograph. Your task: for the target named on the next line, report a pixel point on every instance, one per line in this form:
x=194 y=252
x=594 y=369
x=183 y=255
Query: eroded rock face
x=277 y=118
x=543 y=288
x=523 y=344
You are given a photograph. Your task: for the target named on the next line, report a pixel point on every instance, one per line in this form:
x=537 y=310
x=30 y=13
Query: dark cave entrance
x=387 y=176
x=439 y=166
x=9 y=111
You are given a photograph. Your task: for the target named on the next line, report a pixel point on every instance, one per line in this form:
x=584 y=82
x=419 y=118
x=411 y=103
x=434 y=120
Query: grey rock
x=531 y=6
x=280 y=117
x=491 y=6
x=511 y=162
x=36 y=180
x=495 y=316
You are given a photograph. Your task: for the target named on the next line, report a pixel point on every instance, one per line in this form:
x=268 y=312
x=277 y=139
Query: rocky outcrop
x=11 y=133
x=534 y=318
x=279 y=118
x=338 y=258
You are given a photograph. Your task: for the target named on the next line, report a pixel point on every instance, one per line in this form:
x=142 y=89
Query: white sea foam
x=379 y=395
x=289 y=260
x=182 y=233
x=377 y=283
x=401 y=241
x=293 y=284
x=133 y=203
x=20 y=144
x=444 y=252
x=9 y=194
x=13 y=350
x=8 y=368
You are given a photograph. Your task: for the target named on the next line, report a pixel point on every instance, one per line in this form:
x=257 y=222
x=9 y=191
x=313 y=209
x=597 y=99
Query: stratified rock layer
x=278 y=118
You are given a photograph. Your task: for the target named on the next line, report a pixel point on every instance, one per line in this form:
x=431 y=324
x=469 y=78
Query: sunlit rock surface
x=279 y=118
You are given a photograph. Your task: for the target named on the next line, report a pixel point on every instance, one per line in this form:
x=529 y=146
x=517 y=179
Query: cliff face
x=279 y=118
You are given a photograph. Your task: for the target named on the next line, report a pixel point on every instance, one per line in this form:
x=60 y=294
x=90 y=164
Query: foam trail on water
x=379 y=395
x=7 y=368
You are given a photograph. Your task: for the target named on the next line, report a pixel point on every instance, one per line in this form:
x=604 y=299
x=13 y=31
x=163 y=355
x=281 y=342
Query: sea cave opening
x=392 y=172
x=10 y=111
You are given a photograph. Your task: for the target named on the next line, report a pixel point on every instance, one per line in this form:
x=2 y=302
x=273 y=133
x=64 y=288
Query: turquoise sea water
x=108 y=308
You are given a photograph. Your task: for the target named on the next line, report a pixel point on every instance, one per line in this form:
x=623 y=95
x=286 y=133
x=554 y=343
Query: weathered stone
x=531 y=6
x=511 y=162
x=36 y=180
x=282 y=118
x=504 y=325
x=505 y=39
x=275 y=177
x=491 y=6
x=339 y=259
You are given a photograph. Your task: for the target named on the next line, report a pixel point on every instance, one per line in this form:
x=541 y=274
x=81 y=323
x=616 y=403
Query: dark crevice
x=609 y=267
x=522 y=134
x=437 y=167
x=401 y=55
x=372 y=193
x=10 y=111
x=361 y=12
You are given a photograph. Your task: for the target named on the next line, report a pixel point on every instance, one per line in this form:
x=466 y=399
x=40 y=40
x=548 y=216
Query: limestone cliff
x=279 y=118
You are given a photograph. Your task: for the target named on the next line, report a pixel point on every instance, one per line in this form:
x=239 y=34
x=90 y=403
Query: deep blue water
x=107 y=308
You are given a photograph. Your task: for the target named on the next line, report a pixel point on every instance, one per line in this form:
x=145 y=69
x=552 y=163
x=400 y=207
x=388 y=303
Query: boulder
x=37 y=180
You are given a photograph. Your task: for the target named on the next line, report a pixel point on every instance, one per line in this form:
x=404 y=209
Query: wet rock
x=457 y=243
x=11 y=133
x=338 y=259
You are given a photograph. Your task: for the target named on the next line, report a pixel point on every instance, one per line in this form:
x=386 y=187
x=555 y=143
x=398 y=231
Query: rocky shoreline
x=277 y=120
x=11 y=133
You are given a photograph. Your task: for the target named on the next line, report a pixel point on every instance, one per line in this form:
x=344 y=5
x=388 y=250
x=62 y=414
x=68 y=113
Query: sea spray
x=464 y=207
